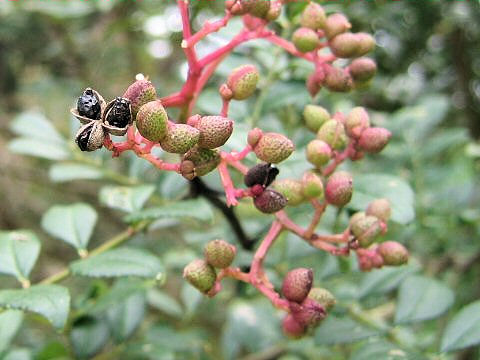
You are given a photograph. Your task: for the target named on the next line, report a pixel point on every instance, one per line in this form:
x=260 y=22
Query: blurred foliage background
x=427 y=92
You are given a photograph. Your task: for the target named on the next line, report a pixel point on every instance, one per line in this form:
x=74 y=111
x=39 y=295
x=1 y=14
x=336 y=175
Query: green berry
x=273 y=148
x=315 y=116
x=323 y=297
x=291 y=189
x=152 y=121
x=201 y=275
x=305 y=39
x=357 y=121
x=365 y=228
x=312 y=185
x=393 y=253
x=313 y=17
x=203 y=160
x=219 y=253
x=333 y=133
x=180 y=138
x=243 y=80
x=214 y=131
x=380 y=208
x=336 y=24
x=318 y=152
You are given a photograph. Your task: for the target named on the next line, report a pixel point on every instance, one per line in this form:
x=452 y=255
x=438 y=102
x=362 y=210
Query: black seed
x=261 y=174
x=82 y=139
x=88 y=105
x=119 y=114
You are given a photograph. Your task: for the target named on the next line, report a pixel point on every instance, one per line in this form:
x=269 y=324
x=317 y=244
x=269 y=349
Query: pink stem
x=230 y=191
x=288 y=46
x=187 y=33
x=317 y=215
x=225 y=105
x=339 y=158
x=207 y=29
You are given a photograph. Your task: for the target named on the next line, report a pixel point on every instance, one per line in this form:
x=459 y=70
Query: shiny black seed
x=88 y=105
x=82 y=139
x=119 y=114
x=261 y=174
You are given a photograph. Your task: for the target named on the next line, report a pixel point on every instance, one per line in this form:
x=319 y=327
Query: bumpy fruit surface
x=313 y=17
x=338 y=80
x=374 y=139
x=393 y=253
x=357 y=121
x=309 y=313
x=140 y=93
x=318 y=152
x=362 y=69
x=200 y=274
x=291 y=189
x=336 y=24
x=292 y=327
x=333 y=133
x=380 y=208
x=219 y=253
x=258 y=8
x=345 y=45
x=152 y=120
x=204 y=160
x=365 y=228
x=273 y=148
x=312 y=186
x=214 y=131
x=339 y=188
x=305 y=39
x=179 y=138
x=260 y=174
x=315 y=116
x=297 y=284
x=242 y=81
x=323 y=297
x=270 y=201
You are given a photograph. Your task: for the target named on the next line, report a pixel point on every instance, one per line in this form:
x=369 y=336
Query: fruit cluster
x=321 y=40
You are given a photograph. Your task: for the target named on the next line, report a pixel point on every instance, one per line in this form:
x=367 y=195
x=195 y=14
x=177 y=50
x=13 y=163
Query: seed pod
x=179 y=138
x=313 y=17
x=292 y=328
x=374 y=139
x=258 y=8
x=333 y=133
x=200 y=274
x=312 y=185
x=315 y=116
x=260 y=174
x=366 y=43
x=243 y=80
x=393 y=253
x=305 y=39
x=319 y=152
x=339 y=189
x=324 y=297
x=380 y=208
x=204 y=160
x=336 y=24
x=362 y=69
x=297 y=284
x=270 y=201
x=117 y=116
x=219 y=253
x=308 y=314
x=90 y=106
x=90 y=137
x=345 y=45
x=338 y=80
x=273 y=148
x=139 y=93
x=357 y=121
x=365 y=228
x=214 y=130
x=152 y=121
x=291 y=189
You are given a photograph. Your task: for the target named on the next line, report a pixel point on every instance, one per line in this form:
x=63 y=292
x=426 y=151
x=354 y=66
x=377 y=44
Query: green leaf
x=120 y=262
x=126 y=316
x=10 y=322
x=126 y=198
x=335 y=330
x=421 y=298
x=368 y=187
x=88 y=336
x=18 y=253
x=50 y=301
x=195 y=209
x=39 y=148
x=464 y=329
x=164 y=302
x=382 y=350
x=18 y=354
x=71 y=223
x=36 y=126
x=71 y=171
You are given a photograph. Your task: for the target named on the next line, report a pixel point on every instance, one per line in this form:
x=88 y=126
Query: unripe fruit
x=243 y=81
x=313 y=84
x=152 y=121
x=274 y=11
x=273 y=148
x=339 y=189
x=362 y=69
x=373 y=140
x=200 y=274
x=270 y=201
x=345 y=45
x=291 y=189
x=315 y=116
x=323 y=297
x=214 y=130
x=312 y=185
x=333 y=133
x=204 y=160
x=357 y=121
x=366 y=43
x=365 y=228
x=338 y=80
x=336 y=24
x=179 y=138
x=305 y=39
x=393 y=253
x=309 y=313
x=258 y=8
x=260 y=174
x=313 y=17
x=219 y=253
x=297 y=284
x=380 y=208
x=254 y=136
x=292 y=328
x=139 y=93
x=318 y=152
